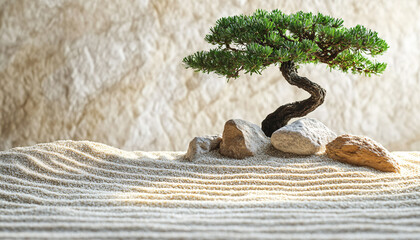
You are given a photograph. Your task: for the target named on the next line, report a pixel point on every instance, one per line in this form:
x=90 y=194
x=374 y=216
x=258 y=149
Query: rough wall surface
x=111 y=72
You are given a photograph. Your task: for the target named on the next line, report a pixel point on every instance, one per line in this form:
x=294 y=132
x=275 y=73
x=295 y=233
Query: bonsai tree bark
x=283 y=114
x=252 y=43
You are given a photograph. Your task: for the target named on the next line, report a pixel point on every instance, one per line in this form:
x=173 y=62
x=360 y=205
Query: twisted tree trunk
x=283 y=114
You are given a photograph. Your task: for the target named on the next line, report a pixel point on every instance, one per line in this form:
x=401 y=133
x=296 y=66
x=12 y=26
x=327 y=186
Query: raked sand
x=70 y=189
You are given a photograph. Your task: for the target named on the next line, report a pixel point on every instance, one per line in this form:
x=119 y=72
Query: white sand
x=72 y=189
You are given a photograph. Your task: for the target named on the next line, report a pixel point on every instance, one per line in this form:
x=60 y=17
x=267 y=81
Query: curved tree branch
x=283 y=114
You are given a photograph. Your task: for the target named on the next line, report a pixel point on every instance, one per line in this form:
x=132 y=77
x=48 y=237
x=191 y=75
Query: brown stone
x=201 y=145
x=361 y=151
x=242 y=139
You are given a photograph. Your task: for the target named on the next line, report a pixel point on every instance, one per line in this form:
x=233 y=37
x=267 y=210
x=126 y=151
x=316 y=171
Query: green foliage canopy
x=251 y=43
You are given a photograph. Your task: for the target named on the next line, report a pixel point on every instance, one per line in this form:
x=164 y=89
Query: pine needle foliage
x=252 y=43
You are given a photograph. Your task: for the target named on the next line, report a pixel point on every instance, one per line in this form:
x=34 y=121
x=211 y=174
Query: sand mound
x=85 y=189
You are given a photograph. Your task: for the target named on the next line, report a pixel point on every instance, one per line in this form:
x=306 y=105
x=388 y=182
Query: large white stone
x=242 y=139
x=202 y=145
x=305 y=136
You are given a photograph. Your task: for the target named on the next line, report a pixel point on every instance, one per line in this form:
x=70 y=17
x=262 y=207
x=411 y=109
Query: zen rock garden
x=306 y=136
x=252 y=43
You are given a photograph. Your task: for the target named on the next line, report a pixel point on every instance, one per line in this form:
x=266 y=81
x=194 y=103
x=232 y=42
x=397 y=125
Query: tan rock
x=361 y=151
x=242 y=139
x=202 y=145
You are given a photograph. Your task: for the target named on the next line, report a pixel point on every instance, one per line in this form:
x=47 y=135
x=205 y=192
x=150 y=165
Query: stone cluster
x=306 y=136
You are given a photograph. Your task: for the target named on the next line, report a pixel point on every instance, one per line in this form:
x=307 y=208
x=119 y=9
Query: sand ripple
x=83 y=189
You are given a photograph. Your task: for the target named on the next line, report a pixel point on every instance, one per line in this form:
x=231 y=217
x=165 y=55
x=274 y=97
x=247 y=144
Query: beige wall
x=111 y=72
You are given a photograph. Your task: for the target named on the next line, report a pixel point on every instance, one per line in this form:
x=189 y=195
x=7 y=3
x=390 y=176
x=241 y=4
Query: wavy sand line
x=73 y=189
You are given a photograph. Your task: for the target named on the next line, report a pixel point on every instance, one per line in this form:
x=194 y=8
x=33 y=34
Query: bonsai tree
x=251 y=43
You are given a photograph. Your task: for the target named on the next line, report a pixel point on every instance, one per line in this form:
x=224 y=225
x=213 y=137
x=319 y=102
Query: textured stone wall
x=111 y=72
